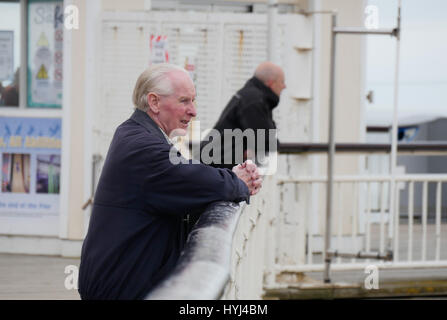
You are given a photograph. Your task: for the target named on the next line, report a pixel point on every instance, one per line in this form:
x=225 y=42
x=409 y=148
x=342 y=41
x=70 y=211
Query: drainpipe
x=393 y=159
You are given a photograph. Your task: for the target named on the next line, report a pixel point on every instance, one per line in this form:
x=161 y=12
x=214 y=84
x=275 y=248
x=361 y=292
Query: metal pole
x=354 y=30
x=393 y=159
x=363 y=255
x=330 y=161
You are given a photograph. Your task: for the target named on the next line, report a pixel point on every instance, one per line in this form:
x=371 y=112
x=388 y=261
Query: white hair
x=153 y=79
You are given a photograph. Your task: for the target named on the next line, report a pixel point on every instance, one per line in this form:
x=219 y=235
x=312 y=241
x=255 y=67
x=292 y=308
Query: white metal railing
x=263 y=245
x=359 y=226
x=253 y=246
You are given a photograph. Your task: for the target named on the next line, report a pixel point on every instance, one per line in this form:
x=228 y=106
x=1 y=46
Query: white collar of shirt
x=166 y=136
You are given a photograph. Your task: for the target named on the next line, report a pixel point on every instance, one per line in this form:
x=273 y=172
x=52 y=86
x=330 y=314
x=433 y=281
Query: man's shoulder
x=250 y=92
x=251 y=97
x=130 y=127
x=131 y=132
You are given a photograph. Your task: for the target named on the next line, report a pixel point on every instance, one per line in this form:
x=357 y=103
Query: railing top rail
x=421 y=148
x=365 y=178
x=203 y=268
x=426 y=147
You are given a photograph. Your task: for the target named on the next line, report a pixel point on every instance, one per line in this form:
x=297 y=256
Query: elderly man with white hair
x=137 y=229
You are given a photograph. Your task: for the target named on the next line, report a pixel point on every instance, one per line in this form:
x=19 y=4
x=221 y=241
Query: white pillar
x=272 y=33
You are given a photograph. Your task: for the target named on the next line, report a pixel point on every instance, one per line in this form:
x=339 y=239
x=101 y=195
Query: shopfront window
x=45 y=53
x=31 y=43
x=31 y=35
x=10 y=53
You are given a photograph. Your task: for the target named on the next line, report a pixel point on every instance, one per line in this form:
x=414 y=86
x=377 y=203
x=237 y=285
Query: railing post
x=270 y=225
x=330 y=162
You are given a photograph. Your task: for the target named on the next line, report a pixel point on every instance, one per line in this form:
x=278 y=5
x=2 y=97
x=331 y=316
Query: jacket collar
x=271 y=97
x=143 y=119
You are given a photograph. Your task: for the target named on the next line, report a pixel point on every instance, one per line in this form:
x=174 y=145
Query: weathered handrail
x=203 y=269
x=427 y=147
x=418 y=147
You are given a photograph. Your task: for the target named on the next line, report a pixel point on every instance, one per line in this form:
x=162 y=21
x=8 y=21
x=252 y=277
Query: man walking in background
x=249 y=109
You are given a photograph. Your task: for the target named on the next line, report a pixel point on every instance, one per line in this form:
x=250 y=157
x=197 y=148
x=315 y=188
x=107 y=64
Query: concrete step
x=392 y=284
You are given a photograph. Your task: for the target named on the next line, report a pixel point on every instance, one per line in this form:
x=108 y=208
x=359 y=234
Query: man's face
x=177 y=110
x=279 y=84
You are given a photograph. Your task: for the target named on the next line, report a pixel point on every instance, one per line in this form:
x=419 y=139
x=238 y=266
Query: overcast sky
x=423 y=57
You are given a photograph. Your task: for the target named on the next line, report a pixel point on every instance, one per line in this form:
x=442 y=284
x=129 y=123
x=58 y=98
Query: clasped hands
x=249 y=173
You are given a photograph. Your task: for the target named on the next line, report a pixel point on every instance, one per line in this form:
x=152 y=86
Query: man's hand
x=248 y=172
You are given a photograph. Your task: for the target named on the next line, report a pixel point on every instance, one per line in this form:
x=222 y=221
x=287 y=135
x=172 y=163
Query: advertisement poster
x=30 y=179
x=6 y=55
x=45 y=53
x=159 y=49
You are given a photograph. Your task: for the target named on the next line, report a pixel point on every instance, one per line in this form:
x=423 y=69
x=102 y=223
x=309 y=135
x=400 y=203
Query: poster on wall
x=6 y=55
x=45 y=53
x=30 y=178
x=158 y=46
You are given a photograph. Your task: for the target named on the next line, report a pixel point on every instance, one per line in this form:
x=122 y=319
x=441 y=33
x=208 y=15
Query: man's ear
x=153 y=102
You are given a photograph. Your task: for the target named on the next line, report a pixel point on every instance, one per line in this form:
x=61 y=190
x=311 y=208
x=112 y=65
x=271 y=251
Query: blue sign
x=30 y=180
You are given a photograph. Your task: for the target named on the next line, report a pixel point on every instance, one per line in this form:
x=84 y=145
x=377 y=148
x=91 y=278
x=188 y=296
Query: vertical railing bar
x=309 y=227
x=382 y=222
x=396 y=223
x=354 y=217
x=424 y=220
x=390 y=228
x=438 y=220
x=339 y=218
x=410 y=219
x=367 y=218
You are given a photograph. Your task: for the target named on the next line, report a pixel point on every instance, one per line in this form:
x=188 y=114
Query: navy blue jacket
x=137 y=231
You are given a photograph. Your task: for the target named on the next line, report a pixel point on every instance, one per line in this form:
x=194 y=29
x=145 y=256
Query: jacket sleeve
x=187 y=187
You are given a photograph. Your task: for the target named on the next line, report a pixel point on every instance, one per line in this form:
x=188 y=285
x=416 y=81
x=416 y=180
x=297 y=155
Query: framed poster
x=158 y=46
x=30 y=160
x=6 y=55
x=45 y=53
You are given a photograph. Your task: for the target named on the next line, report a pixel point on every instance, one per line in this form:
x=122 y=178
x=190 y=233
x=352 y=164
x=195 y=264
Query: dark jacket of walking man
x=249 y=109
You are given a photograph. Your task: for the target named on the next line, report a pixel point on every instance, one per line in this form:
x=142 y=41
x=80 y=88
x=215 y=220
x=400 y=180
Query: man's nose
x=192 y=109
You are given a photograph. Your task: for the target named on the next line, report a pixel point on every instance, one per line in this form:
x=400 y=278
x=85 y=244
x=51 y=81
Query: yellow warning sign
x=42 y=74
x=43 y=41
